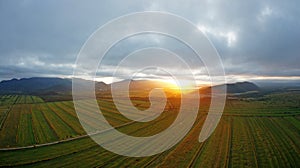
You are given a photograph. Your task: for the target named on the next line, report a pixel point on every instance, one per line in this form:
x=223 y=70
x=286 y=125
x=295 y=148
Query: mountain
x=279 y=85
x=41 y=85
x=31 y=85
x=234 y=88
x=241 y=87
x=44 y=85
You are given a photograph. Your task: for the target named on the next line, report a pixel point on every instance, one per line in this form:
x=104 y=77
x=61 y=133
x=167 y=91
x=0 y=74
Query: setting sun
x=182 y=86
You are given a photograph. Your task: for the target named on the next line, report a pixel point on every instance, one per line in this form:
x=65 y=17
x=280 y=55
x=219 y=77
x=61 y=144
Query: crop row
x=26 y=99
x=77 y=150
x=6 y=100
x=39 y=123
x=237 y=142
x=268 y=141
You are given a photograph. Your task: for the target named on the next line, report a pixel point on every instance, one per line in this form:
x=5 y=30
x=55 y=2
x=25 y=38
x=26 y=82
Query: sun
x=181 y=86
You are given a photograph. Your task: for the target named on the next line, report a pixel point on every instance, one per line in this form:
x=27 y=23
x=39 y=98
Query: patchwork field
x=256 y=132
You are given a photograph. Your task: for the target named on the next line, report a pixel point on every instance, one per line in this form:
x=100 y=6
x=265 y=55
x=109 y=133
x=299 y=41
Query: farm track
x=198 y=153
x=52 y=158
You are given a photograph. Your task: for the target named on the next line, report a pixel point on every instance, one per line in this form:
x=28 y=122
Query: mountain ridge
x=40 y=85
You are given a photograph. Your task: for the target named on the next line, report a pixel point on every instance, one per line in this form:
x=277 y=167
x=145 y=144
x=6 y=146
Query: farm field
x=256 y=132
x=149 y=84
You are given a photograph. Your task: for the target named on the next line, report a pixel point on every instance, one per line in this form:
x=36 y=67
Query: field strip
x=25 y=135
x=191 y=137
x=61 y=129
x=6 y=113
x=73 y=115
x=198 y=153
x=213 y=149
x=264 y=115
x=269 y=143
x=86 y=149
x=92 y=115
x=277 y=140
x=70 y=139
x=229 y=144
x=108 y=107
x=86 y=154
x=68 y=119
x=141 y=145
x=42 y=131
x=251 y=139
x=49 y=155
x=56 y=157
x=151 y=160
x=5 y=117
x=293 y=121
x=294 y=150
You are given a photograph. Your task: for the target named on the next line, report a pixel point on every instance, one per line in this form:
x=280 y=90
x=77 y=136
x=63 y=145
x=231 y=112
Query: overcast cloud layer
x=254 y=38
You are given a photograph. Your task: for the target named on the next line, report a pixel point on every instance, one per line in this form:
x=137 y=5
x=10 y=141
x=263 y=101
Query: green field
x=253 y=132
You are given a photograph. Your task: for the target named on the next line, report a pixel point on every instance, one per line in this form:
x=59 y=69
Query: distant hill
x=40 y=86
x=43 y=85
x=234 y=88
x=31 y=85
x=61 y=85
x=241 y=87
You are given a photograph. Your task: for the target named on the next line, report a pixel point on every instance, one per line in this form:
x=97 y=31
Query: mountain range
x=43 y=85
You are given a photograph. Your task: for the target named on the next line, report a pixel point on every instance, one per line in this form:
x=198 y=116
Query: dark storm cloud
x=42 y=38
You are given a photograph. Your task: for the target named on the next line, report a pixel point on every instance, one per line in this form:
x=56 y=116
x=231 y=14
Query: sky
x=256 y=40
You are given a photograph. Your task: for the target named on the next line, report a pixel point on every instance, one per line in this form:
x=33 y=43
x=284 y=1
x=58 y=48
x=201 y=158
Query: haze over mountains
x=240 y=87
x=63 y=85
x=42 y=85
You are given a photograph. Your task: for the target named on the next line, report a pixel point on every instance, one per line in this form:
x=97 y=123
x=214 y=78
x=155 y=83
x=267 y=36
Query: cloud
x=254 y=38
x=229 y=36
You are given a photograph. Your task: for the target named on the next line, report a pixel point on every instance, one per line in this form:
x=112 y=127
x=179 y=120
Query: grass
x=61 y=129
x=70 y=120
x=25 y=134
x=214 y=153
x=27 y=99
x=3 y=114
x=262 y=132
x=42 y=130
x=8 y=133
x=7 y=100
x=243 y=150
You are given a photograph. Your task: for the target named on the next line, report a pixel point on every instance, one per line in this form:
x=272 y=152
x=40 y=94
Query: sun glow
x=182 y=86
